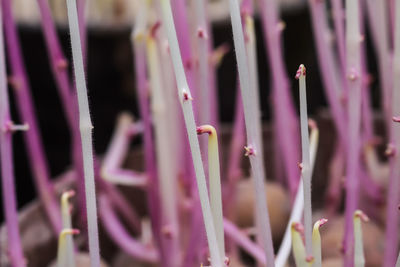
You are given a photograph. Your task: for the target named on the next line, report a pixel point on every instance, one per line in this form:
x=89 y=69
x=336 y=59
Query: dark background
x=111 y=85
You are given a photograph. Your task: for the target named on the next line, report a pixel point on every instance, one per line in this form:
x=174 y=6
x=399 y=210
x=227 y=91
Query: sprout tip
x=300 y=72
x=361 y=215
x=250 y=151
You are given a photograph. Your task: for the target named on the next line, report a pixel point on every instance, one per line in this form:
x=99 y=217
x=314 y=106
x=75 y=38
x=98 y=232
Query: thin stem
x=121 y=205
x=316 y=242
x=253 y=130
x=86 y=134
x=328 y=67
x=359 y=258
x=284 y=111
x=203 y=70
x=59 y=67
x=338 y=20
x=354 y=75
x=16 y=255
x=185 y=97
x=392 y=218
x=67 y=224
x=36 y=154
x=378 y=14
x=167 y=174
x=297 y=209
x=63 y=249
x=59 y=64
x=215 y=184
x=306 y=166
x=335 y=183
x=139 y=45
x=240 y=238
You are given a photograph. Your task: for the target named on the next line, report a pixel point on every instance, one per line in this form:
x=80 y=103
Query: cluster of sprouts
x=190 y=218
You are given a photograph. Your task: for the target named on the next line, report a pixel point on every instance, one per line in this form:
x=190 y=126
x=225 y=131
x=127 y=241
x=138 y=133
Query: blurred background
x=111 y=79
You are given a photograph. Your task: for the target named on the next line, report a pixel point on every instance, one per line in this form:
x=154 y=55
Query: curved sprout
x=215 y=184
x=67 y=224
x=316 y=242
x=64 y=251
x=299 y=251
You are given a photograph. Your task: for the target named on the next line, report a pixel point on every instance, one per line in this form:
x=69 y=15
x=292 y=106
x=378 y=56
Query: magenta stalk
x=7 y=167
x=117 y=232
x=354 y=79
x=240 y=238
x=203 y=81
x=328 y=68
x=59 y=66
x=111 y=169
x=378 y=20
x=26 y=110
x=392 y=216
x=338 y=20
x=284 y=112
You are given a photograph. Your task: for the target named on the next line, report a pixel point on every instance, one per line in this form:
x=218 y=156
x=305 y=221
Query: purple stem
x=392 y=216
x=66 y=91
x=355 y=78
x=338 y=20
x=34 y=144
x=118 y=234
x=183 y=35
x=116 y=153
x=197 y=237
x=15 y=252
x=372 y=189
x=119 y=202
x=367 y=116
x=284 y=114
x=377 y=14
x=330 y=77
x=144 y=110
x=237 y=236
x=334 y=190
